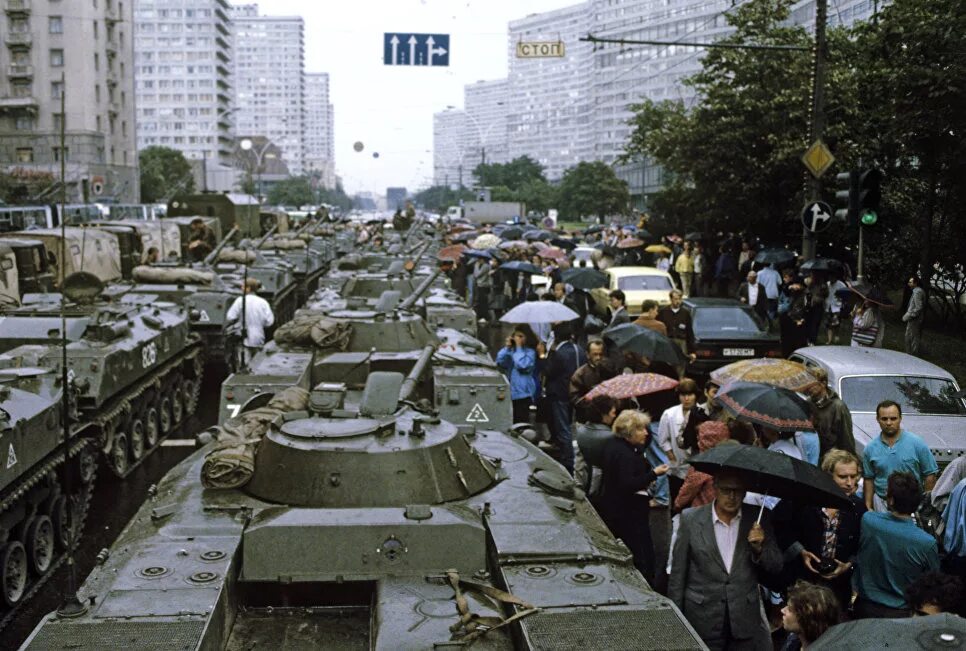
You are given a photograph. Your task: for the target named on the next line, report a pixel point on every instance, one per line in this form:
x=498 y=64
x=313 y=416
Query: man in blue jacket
x=563 y=359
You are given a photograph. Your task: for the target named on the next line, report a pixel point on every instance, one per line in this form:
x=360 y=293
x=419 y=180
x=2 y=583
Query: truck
x=489 y=212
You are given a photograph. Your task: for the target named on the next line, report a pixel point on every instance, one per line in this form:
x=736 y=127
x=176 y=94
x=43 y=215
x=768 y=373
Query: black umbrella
x=596 y=228
x=820 y=264
x=565 y=244
x=766 y=405
x=775 y=256
x=511 y=233
x=519 y=266
x=539 y=235
x=942 y=631
x=585 y=278
x=696 y=236
x=475 y=253
x=773 y=474
x=631 y=337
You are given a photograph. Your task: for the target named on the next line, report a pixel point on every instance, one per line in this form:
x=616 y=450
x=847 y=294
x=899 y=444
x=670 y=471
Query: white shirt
x=672 y=422
x=258 y=316
x=770 y=280
x=726 y=536
x=753 y=294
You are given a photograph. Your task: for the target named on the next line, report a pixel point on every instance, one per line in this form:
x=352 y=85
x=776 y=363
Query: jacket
x=761 y=307
x=626 y=472
x=833 y=422
x=653 y=324
x=809 y=528
x=678 y=325
x=619 y=317
x=917 y=303
x=705 y=591
x=562 y=362
x=520 y=363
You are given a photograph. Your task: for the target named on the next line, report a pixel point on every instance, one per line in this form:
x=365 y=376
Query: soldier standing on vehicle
x=203 y=240
x=257 y=316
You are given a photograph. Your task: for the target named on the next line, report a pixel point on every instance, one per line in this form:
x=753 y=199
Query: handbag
x=865 y=336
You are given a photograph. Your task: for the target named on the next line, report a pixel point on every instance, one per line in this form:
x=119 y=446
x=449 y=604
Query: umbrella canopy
x=776 y=372
x=461 y=227
x=466 y=236
x=644 y=234
x=869 y=293
x=538 y=235
x=565 y=244
x=511 y=233
x=658 y=248
x=631 y=337
x=596 y=228
x=942 y=631
x=552 y=253
x=486 y=241
x=766 y=405
x=451 y=252
x=513 y=244
x=629 y=243
x=585 y=278
x=539 y=312
x=521 y=267
x=775 y=256
x=539 y=246
x=631 y=385
x=773 y=474
x=473 y=253
x=695 y=236
x=820 y=264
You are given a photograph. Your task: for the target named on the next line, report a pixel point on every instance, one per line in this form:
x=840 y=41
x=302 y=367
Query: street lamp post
x=483 y=135
x=260 y=153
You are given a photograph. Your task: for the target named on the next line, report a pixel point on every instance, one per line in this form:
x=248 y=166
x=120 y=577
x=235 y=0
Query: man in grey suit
x=914 y=316
x=717 y=555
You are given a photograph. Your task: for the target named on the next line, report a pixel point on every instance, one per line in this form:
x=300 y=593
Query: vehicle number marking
x=233 y=410
x=149 y=355
x=477 y=415
x=739 y=352
x=11 y=458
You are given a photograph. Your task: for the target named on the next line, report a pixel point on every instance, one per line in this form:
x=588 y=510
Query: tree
x=293 y=191
x=440 y=197
x=513 y=175
x=164 y=172
x=592 y=189
x=21 y=185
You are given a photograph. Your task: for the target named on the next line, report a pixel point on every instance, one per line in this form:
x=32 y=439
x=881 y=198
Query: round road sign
x=816 y=216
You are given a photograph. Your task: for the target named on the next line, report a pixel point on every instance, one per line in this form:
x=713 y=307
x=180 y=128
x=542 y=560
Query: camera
x=827 y=566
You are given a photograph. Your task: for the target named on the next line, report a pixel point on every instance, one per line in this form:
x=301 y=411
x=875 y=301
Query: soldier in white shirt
x=257 y=316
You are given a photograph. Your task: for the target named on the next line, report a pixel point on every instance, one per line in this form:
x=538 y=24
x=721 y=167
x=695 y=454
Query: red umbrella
x=629 y=243
x=451 y=252
x=552 y=253
x=631 y=385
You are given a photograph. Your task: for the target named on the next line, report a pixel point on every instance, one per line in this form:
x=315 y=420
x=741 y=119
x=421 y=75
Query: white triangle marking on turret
x=11 y=458
x=477 y=415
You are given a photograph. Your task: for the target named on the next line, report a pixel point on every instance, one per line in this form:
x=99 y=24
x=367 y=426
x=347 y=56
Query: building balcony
x=20 y=71
x=111 y=14
x=19 y=39
x=17 y=6
x=9 y=103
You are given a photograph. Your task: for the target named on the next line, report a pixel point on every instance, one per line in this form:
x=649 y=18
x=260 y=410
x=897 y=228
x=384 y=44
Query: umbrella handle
x=762 y=509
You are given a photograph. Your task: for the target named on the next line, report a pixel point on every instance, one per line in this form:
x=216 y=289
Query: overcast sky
x=390 y=108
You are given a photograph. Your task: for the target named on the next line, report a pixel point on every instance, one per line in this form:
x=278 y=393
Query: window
x=56 y=58
x=25 y=154
x=56 y=89
x=57 y=151
x=58 y=121
x=55 y=24
x=98 y=123
x=97 y=61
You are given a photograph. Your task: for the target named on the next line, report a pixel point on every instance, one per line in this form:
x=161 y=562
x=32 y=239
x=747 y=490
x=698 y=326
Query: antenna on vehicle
x=72 y=606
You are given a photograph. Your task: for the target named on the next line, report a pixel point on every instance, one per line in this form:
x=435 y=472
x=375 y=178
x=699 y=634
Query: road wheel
x=192 y=392
x=13 y=572
x=60 y=520
x=86 y=465
x=39 y=544
x=152 y=432
x=164 y=415
x=177 y=404
x=136 y=432
x=118 y=456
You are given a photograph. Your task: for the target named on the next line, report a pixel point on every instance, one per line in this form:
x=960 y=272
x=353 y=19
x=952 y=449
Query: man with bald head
x=751 y=293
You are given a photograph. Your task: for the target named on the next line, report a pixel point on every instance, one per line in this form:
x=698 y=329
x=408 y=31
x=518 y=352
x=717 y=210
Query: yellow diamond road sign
x=818 y=158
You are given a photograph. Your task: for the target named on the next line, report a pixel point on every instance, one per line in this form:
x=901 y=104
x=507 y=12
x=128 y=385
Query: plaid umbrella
x=766 y=405
x=772 y=473
x=629 y=243
x=451 y=252
x=552 y=253
x=631 y=385
x=486 y=241
x=776 y=372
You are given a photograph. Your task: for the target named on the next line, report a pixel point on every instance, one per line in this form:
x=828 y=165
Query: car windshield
x=917 y=395
x=727 y=319
x=643 y=283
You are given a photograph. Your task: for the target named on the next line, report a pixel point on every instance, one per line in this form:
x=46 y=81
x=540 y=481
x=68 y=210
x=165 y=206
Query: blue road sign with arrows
x=415 y=49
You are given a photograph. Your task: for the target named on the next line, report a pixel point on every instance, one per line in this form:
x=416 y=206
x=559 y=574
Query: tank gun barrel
x=409 y=384
x=264 y=238
x=305 y=226
x=422 y=252
x=412 y=229
x=410 y=300
x=210 y=259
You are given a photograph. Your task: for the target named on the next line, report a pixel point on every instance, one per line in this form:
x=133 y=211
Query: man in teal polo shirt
x=894 y=450
x=893 y=552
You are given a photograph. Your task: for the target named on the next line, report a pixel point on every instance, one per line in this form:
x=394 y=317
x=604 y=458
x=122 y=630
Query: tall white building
x=182 y=52
x=550 y=99
x=82 y=52
x=318 y=145
x=269 y=71
x=486 y=104
x=453 y=149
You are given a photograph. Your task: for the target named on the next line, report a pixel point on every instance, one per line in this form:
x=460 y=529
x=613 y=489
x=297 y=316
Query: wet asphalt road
x=114 y=503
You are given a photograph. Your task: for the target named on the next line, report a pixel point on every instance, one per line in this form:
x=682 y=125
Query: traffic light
x=847 y=198
x=869 y=196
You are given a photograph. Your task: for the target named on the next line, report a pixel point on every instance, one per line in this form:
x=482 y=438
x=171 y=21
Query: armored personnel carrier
x=378 y=527
x=135 y=368
x=45 y=482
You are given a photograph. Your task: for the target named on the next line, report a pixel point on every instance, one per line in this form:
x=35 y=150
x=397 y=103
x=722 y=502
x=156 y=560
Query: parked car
x=640 y=284
x=931 y=400
x=583 y=257
x=725 y=331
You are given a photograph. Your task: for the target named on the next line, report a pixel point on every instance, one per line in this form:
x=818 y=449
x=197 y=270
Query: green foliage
x=592 y=189
x=513 y=175
x=293 y=191
x=440 y=197
x=336 y=197
x=21 y=185
x=164 y=172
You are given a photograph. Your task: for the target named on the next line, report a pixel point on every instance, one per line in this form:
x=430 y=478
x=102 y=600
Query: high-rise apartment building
x=453 y=162
x=182 y=56
x=486 y=105
x=318 y=145
x=550 y=100
x=269 y=69
x=83 y=52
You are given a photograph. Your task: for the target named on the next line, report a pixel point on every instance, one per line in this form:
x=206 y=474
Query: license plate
x=739 y=352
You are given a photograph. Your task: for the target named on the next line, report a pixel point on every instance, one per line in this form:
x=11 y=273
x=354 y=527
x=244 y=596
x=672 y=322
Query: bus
x=22 y=218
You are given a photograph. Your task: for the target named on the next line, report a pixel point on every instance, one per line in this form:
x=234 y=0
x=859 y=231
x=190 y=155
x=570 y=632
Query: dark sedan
x=726 y=331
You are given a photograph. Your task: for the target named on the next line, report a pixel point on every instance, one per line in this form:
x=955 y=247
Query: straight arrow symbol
x=395 y=47
x=412 y=49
